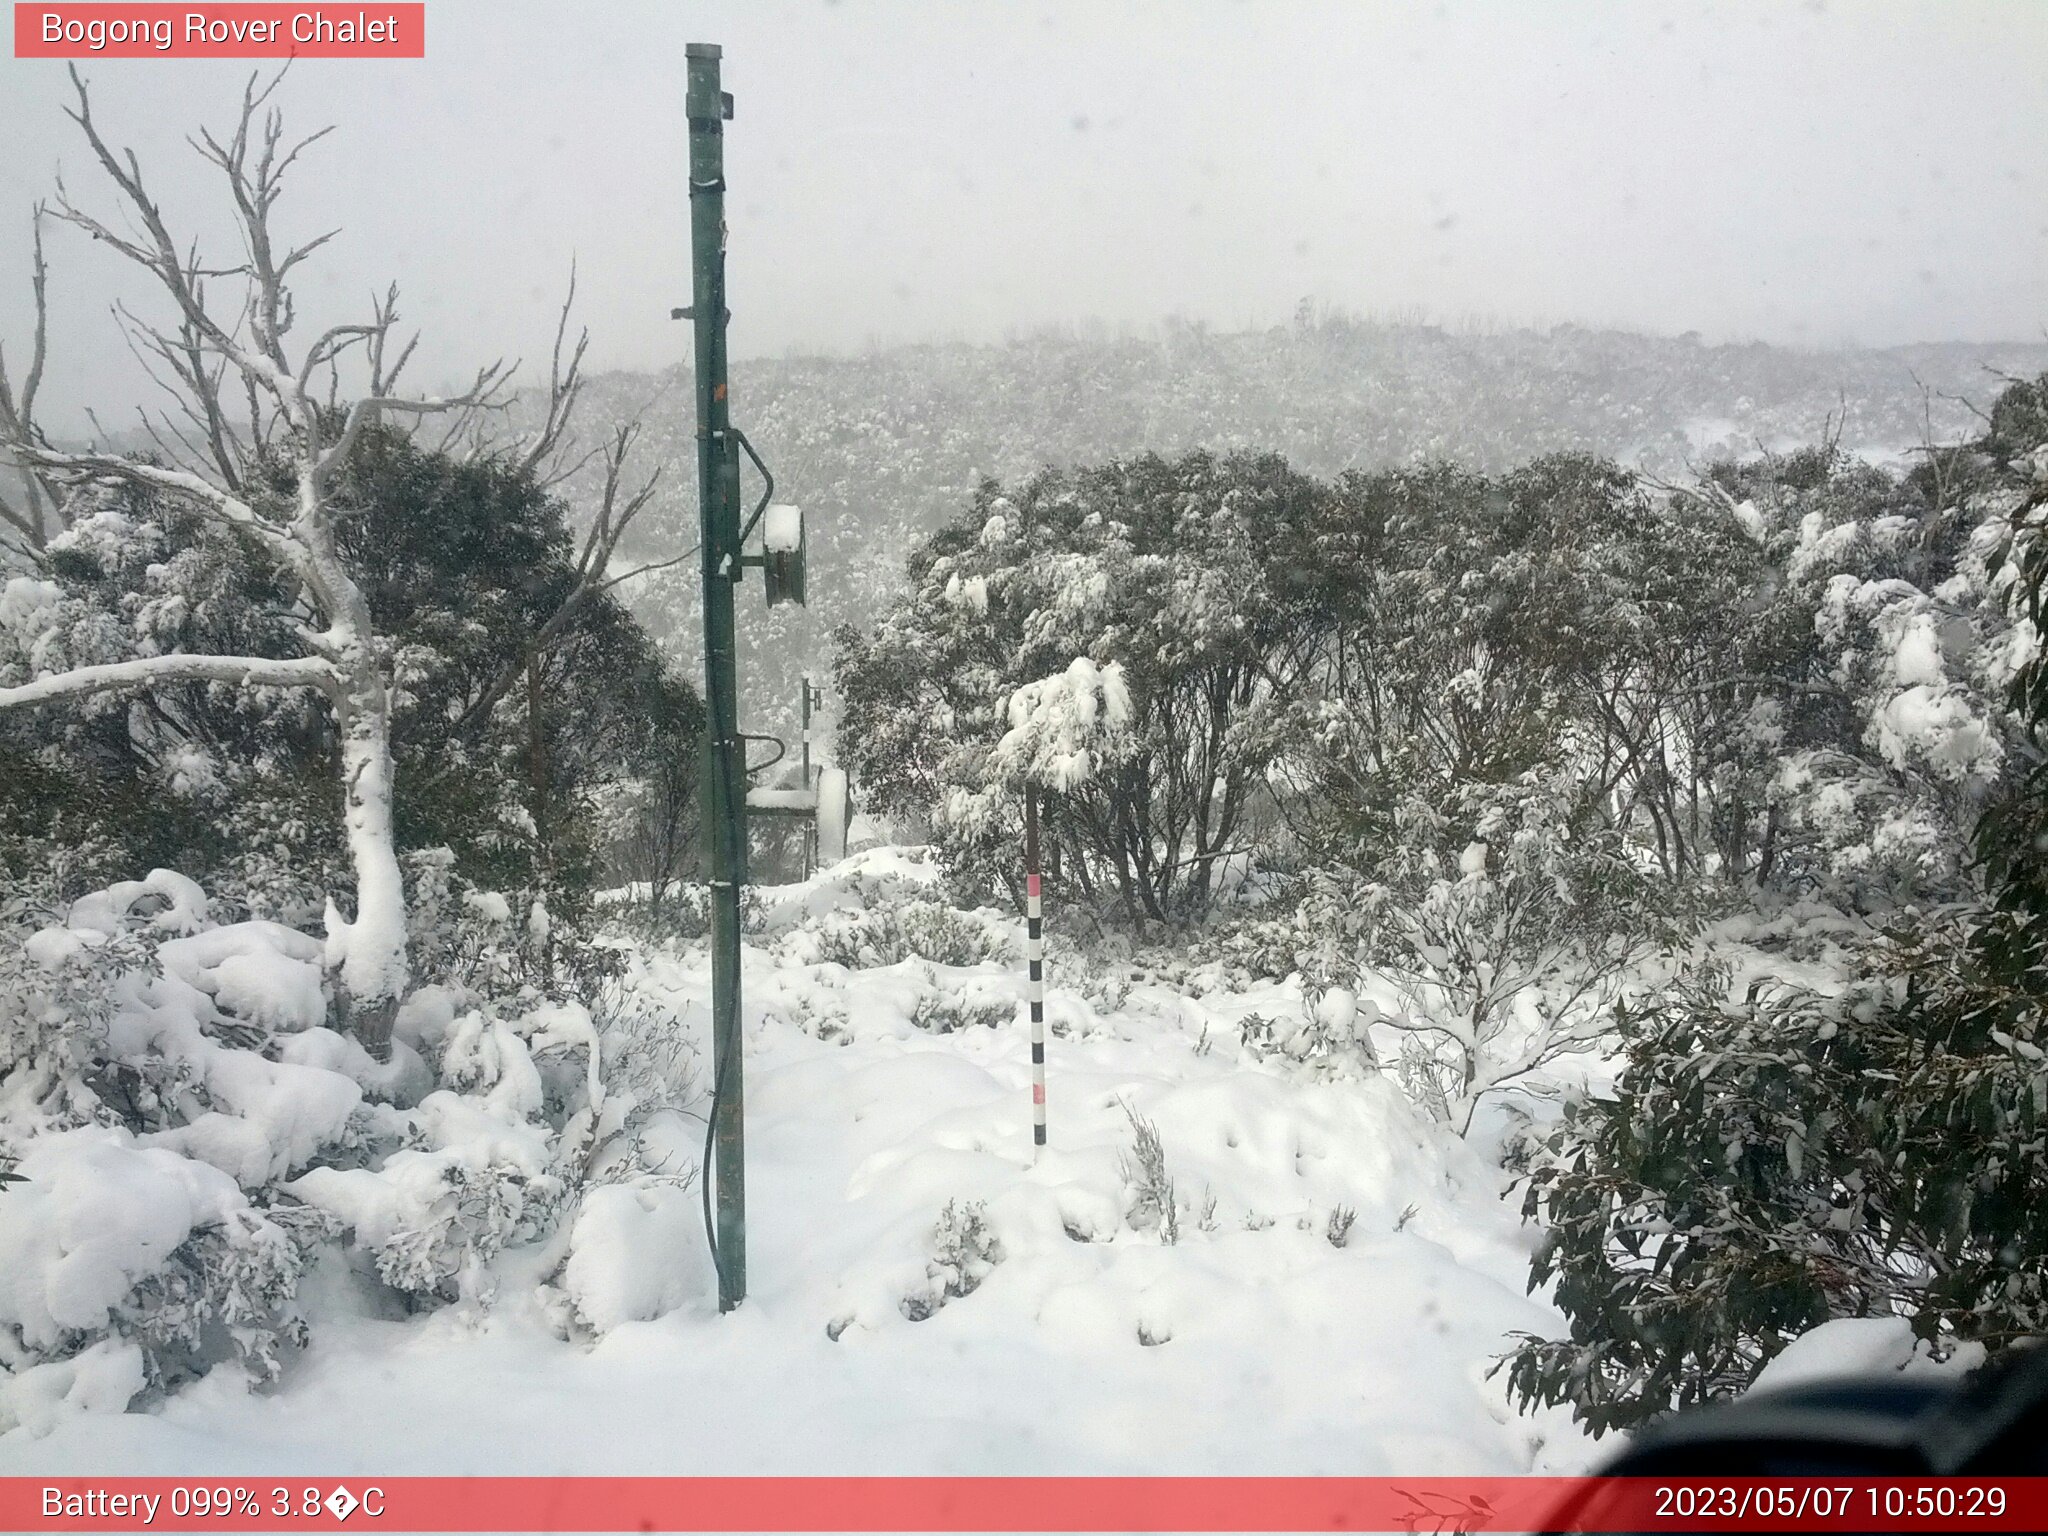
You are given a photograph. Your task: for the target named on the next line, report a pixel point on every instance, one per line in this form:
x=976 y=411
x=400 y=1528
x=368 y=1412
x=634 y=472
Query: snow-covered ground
x=1256 y=1343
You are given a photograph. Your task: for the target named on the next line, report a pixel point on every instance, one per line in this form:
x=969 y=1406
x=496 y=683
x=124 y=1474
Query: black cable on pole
x=721 y=1049
x=707 y=108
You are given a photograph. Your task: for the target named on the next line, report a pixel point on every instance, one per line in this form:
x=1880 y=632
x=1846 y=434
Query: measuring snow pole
x=724 y=777
x=1034 y=954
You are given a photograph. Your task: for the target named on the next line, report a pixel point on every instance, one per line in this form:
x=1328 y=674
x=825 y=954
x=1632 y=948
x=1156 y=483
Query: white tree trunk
x=367 y=954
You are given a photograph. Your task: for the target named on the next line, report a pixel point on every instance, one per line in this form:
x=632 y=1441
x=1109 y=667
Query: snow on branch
x=208 y=499
x=1065 y=728
x=152 y=671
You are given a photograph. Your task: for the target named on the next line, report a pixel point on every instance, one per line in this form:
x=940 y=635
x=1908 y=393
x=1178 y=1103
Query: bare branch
x=39 y=283
x=650 y=568
x=18 y=414
x=482 y=394
x=194 y=391
x=384 y=380
x=564 y=386
x=614 y=517
x=334 y=341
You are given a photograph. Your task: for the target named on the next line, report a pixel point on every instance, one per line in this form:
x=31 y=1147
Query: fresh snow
x=633 y=1254
x=1065 y=727
x=1860 y=1346
x=782 y=528
x=95 y=1213
x=876 y=1098
x=100 y=1380
x=833 y=805
x=762 y=798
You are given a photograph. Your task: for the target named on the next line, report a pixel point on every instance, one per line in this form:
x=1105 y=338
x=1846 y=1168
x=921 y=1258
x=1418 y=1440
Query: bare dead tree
x=30 y=508
x=239 y=391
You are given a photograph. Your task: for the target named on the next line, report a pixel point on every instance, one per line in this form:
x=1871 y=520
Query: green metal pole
x=718 y=484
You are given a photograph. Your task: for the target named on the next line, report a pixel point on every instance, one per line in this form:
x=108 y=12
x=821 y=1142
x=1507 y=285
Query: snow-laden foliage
x=1776 y=1158
x=186 y=1133
x=892 y=932
x=1155 y=1202
x=887 y=445
x=1108 y=637
x=1502 y=931
x=201 y=776
x=964 y=1251
x=530 y=767
x=150 y=1134
x=1891 y=728
x=1778 y=1155
x=1787 y=677
x=1066 y=728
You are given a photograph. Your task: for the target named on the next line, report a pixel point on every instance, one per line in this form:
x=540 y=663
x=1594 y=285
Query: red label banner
x=104 y=31
x=1194 y=1504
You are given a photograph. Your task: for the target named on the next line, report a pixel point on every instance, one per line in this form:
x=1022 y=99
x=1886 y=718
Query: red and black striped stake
x=1034 y=951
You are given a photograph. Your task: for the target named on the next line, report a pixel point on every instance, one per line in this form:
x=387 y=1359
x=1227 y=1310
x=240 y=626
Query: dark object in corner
x=1992 y=1423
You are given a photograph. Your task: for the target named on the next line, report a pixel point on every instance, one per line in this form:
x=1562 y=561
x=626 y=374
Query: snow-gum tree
x=255 y=442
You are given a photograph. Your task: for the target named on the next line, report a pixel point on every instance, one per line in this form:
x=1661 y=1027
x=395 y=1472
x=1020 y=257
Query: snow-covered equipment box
x=782 y=553
x=828 y=806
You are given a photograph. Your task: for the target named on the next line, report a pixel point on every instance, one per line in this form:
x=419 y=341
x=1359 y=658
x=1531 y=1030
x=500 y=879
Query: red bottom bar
x=1351 y=1504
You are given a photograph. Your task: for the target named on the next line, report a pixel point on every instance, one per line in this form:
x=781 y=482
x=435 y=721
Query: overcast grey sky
x=904 y=169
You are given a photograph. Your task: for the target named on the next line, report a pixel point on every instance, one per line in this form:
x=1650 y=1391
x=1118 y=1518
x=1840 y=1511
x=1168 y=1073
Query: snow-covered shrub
x=1504 y=957
x=920 y=929
x=477 y=1164
x=820 y=1014
x=186 y=1131
x=1256 y=1032
x=682 y=912
x=963 y=1253
x=1154 y=1202
x=650 y=1069
x=1774 y=1158
x=541 y=1102
x=1249 y=949
x=634 y=1252
x=459 y=933
x=162 y=1074
x=1331 y=1031
x=107 y=1239
x=948 y=1011
x=55 y=1001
